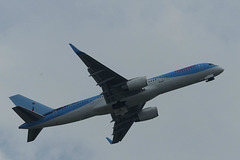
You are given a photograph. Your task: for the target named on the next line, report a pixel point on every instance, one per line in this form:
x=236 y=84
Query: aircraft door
x=160 y=80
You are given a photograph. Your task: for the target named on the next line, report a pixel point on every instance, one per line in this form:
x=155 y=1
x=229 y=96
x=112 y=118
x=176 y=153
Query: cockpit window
x=210 y=64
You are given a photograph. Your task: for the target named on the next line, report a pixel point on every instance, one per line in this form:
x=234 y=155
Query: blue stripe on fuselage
x=61 y=111
x=187 y=70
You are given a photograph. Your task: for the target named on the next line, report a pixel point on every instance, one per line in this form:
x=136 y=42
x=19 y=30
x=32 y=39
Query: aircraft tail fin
x=33 y=133
x=29 y=104
x=29 y=116
x=30 y=111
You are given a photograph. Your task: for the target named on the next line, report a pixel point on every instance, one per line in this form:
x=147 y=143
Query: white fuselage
x=156 y=86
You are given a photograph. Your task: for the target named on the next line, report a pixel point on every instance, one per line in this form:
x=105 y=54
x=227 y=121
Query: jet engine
x=147 y=114
x=136 y=84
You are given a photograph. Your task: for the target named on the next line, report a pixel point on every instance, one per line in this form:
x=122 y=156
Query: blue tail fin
x=30 y=111
x=29 y=104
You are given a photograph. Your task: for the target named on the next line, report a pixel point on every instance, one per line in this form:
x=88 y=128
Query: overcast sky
x=134 y=38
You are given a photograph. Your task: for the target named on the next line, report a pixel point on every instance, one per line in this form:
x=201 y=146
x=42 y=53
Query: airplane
x=123 y=98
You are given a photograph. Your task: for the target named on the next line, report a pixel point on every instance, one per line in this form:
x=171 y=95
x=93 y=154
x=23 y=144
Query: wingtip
x=109 y=140
x=77 y=51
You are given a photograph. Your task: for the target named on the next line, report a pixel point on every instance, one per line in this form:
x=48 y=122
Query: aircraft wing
x=110 y=81
x=123 y=123
x=121 y=130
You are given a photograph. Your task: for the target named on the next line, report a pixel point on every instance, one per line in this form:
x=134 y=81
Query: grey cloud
x=133 y=38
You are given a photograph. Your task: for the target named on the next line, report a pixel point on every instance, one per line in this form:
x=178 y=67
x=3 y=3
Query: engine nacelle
x=147 y=114
x=136 y=83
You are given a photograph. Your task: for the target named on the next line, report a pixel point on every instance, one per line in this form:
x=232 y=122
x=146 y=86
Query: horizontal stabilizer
x=33 y=133
x=27 y=115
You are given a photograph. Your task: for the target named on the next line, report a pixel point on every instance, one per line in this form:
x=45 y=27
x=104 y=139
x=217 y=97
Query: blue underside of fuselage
x=68 y=108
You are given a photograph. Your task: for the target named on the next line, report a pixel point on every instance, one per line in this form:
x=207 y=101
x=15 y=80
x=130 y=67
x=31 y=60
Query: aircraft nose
x=219 y=70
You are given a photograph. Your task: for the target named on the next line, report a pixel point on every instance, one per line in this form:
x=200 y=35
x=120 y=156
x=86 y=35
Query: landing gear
x=120 y=108
x=209 y=78
x=118 y=105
